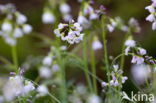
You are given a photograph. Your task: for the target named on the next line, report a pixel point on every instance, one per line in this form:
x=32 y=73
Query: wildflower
x=27 y=28
x=116 y=67
x=29 y=86
x=124 y=79
x=151 y=17
x=137 y=60
x=55 y=68
x=13 y=88
x=13 y=26
x=96 y=44
x=94 y=99
x=133 y=23
x=67 y=17
x=140 y=73
x=81 y=89
x=47 y=60
x=42 y=90
x=18 y=32
x=83 y=21
x=104 y=84
x=142 y=51
x=10 y=41
x=6 y=27
x=110 y=28
x=45 y=72
x=63 y=47
x=150 y=8
x=21 y=19
x=130 y=43
x=65 y=8
x=69 y=32
x=48 y=17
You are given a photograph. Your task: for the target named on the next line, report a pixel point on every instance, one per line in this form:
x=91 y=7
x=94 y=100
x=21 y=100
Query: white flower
x=13 y=88
x=83 y=21
x=47 y=60
x=88 y=10
x=94 y=99
x=150 y=18
x=21 y=19
x=110 y=28
x=7 y=27
x=45 y=72
x=104 y=84
x=130 y=43
x=96 y=45
x=65 y=8
x=10 y=41
x=69 y=32
x=18 y=32
x=150 y=8
x=93 y=16
x=124 y=79
x=67 y=17
x=29 y=86
x=140 y=73
x=116 y=67
x=27 y=28
x=63 y=47
x=55 y=68
x=137 y=60
x=48 y=18
x=142 y=51
x=134 y=24
x=81 y=89
x=42 y=89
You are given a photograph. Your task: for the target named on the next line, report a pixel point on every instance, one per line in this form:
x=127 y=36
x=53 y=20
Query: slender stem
x=93 y=70
x=86 y=64
x=63 y=77
x=105 y=46
x=15 y=58
x=122 y=61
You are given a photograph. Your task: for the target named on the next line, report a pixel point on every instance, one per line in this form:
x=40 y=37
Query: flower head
x=70 y=32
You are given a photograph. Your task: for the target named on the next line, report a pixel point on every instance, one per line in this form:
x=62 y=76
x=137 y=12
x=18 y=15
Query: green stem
x=15 y=58
x=122 y=61
x=86 y=64
x=105 y=47
x=93 y=70
x=63 y=89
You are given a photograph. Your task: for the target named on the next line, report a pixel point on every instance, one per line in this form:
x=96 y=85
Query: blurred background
x=34 y=45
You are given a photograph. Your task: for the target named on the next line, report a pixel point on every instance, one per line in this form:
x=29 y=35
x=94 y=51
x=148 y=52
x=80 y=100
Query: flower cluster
x=86 y=15
x=49 y=65
x=49 y=16
x=70 y=32
x=118 y=23
x=65 y=10
x=80 y=95
x=139 y=52
x=152 y=17
x=17 y=86
x=13 y=25
x=117 y=78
